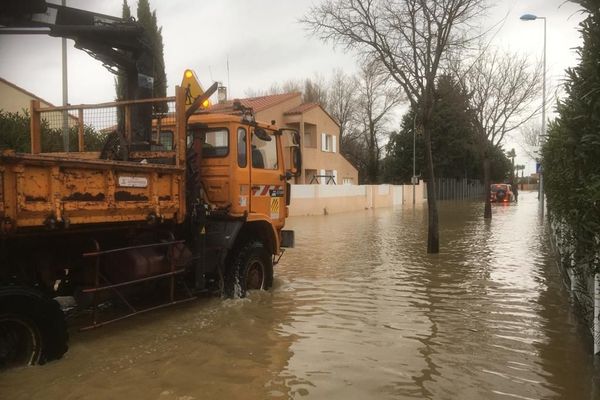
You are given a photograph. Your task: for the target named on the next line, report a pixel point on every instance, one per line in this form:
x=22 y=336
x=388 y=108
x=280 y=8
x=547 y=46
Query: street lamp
x=531 y=17
x=413 y=180
x=65 y=92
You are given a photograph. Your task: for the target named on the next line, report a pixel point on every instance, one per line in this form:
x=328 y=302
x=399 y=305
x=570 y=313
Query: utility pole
x=65 y=92
x=531 y=17
x=414 y=175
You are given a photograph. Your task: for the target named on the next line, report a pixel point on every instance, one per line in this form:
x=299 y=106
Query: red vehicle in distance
x=501 y=193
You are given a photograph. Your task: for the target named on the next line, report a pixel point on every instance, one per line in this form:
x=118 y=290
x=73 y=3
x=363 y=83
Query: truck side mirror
x=296 y=138
x=296 y=158
x=294 y=135
x=262 y=134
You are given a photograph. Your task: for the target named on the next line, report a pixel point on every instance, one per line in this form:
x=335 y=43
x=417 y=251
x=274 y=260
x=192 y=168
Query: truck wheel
x=250 y=269
x=32 y=328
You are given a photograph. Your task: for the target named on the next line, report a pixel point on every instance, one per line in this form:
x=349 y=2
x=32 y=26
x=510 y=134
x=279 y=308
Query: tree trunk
x=373 y=168
x=487 y=214
x=433 y=234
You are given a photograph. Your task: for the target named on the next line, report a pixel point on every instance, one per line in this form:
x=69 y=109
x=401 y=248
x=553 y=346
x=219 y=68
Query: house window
x=328 y=143
x=310 y=136
x=310 y=176
x=347 y=181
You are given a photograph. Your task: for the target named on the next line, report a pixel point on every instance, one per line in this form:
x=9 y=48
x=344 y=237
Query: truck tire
x=32 y=328
x=251 y=268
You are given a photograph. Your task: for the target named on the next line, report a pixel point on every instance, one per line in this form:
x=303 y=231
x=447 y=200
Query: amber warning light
x=192 y=88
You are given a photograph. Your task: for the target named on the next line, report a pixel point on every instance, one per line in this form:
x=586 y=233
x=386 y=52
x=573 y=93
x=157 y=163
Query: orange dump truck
x=200 y=207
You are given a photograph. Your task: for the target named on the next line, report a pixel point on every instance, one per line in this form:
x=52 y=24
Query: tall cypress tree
x=120 y=84
x=148 y=20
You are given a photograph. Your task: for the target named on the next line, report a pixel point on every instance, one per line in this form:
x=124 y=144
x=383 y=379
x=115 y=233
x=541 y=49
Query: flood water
x=359 y=311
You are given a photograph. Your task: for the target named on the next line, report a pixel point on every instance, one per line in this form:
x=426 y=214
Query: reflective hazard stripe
x=274 y=207
x=265 y=190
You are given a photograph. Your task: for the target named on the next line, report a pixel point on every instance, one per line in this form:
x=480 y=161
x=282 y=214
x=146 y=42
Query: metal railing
x=102 y=283
x=459 y=189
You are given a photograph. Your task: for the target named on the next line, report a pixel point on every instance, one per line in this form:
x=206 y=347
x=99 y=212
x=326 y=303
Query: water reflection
x=390 y=321
x=359 y=311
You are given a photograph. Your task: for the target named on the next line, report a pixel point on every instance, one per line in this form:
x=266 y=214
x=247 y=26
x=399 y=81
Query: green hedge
x=571 y=156
x=15 y=135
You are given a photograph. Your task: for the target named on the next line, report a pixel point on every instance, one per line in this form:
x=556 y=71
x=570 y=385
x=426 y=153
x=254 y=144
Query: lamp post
x=414 y=175
x=531 y=17
x=65 y=92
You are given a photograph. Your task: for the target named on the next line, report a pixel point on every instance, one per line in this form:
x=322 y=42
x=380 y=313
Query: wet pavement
x=359 y=311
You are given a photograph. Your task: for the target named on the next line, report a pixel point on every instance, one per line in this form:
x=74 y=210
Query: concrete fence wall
x=330 y=199
x=579 y=275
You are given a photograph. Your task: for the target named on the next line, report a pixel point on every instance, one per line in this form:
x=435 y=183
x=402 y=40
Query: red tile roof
x=264 y=102
x=301 y=108
x=256 y=103
x=304 y=107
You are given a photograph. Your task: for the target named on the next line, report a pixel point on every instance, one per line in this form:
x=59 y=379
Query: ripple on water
x=358 y=311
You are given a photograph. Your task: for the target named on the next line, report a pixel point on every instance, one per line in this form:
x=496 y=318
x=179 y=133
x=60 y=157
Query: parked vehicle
x=181 y=200
x=501 y=193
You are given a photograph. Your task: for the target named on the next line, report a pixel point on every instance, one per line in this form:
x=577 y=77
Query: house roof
x=28 y=93
x=304 y=107
x=301 y=108
x=256 y=103
x=262 y=103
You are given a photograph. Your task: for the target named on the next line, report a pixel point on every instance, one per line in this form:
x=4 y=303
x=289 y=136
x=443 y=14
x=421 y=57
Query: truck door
x=267 y=186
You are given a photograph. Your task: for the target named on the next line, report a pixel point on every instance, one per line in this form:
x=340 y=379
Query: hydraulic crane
x=121 y=45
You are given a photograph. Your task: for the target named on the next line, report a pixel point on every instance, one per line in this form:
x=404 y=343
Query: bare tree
x=315 y=91
x=530 y=140
x=503 y=89
x=409 y=38
x=342 y=100
x=376 y=97
x=289 y=86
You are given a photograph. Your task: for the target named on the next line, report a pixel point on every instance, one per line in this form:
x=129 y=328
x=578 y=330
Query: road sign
x=192 y=87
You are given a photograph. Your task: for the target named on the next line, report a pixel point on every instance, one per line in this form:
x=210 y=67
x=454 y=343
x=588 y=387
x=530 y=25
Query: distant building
x=319 y=132
x=15 y=99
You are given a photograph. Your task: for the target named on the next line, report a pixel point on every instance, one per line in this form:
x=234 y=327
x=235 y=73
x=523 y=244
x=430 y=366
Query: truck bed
x=60 y=191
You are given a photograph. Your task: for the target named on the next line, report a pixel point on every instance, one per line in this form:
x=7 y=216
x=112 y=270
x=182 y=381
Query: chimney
x=222 y=94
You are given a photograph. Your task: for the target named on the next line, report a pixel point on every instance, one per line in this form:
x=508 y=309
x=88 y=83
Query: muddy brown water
x=359 y=311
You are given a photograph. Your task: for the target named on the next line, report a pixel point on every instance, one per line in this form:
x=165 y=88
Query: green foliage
x=16 y=135
x=572 y=154
x=149 y=21
x=453 y=142
x=14 y=128
x=120 y=79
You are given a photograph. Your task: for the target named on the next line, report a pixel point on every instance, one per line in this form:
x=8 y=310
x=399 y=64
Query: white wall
x=329 y=199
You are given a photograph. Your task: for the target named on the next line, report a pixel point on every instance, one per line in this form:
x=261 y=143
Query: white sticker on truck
x=133 y=181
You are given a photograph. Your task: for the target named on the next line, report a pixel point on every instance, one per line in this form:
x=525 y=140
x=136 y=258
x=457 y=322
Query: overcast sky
x=263 y=42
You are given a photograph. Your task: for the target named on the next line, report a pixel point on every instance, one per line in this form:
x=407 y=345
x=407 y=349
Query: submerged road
x=359 y=311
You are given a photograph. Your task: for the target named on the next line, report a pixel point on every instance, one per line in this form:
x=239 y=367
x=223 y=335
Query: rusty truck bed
x=58 y=191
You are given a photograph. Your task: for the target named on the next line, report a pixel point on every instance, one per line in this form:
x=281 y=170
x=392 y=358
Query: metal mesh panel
x=96 y=123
